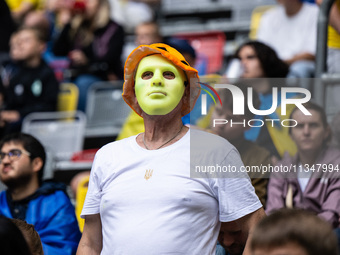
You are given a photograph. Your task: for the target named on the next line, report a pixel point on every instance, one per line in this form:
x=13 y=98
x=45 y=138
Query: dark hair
x=31 y=236
x=227 y=99
x=272 y=65
x=12 y=241
x=30 y=144
x=297 y=226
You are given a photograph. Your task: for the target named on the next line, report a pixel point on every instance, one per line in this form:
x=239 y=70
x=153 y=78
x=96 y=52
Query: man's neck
x=161 y=130
x=293 y=8
x=23 y=191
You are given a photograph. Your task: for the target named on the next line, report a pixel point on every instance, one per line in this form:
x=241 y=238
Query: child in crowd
x=27 y=84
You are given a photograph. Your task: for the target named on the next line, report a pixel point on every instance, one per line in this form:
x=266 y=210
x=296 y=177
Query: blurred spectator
x=44 y=204
x=144 y=33
x=12 y=240
x=42 y=21
x=31 y=236
x=38 y=20
x=263 y=70
x=335 y=125
x=251 y=154
x=333 y=58
x=147 y=33
x=312 y=182
x=7 y=27
x=131 y=13
x=27 y=84
x=58 y=13
x=20 y=8
x=93 y=43
x=293 y=232
x=333 y=55
x=290 y=29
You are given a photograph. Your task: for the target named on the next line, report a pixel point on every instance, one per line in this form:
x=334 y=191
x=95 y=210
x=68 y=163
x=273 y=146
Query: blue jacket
x=50 y=211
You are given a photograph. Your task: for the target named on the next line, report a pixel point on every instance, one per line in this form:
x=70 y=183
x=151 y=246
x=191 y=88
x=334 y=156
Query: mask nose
x=157 y=79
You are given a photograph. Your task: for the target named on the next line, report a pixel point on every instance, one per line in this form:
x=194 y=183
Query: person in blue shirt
x=44 y=204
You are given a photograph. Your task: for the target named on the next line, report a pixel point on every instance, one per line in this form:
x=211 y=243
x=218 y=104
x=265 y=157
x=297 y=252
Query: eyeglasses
x=13 y=155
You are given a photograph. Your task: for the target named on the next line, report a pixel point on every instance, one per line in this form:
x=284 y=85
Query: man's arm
x=240 y=230
x=91 y=241
x=301 y=56
x=250 y=222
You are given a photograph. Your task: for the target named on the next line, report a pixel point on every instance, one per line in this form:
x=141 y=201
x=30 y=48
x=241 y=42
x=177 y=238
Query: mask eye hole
x=169 y=75
x=147 y=75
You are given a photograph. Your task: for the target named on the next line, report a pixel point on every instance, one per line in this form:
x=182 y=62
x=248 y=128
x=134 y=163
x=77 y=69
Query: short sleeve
x=235 y=194
x=93 y=196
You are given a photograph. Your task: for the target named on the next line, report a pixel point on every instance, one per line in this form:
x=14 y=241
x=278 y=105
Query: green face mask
x=159 y=85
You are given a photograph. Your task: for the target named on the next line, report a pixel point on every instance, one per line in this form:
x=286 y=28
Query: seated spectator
x=20 y=8
x=312 y=182
x=144 y=33
x=293 y=232
x=147 y=33
x=44 y=204
x=27 y=84
x=12 y=240
x=335 y=125
x=39 y=20
x=333 y=42
x=263 y=70
x=43 y=21
x=31 y=236
x=290 y=29
x=93 y=43
x=333 y=51
x=251 y=155
x=131 y=13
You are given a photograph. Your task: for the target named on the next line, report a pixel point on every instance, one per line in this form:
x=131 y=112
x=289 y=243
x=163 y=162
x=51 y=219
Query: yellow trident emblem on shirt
x=148 y=174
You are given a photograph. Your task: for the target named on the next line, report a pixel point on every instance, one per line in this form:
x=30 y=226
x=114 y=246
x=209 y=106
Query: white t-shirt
x=289 y=36
x=149 y=204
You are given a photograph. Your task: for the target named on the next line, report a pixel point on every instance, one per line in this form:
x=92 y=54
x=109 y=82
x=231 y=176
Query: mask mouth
x=157 y=92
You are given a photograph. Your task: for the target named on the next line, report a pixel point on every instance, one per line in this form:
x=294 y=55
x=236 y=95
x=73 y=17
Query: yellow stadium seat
x=255 y=19
x=80 y=199
x=67 y=97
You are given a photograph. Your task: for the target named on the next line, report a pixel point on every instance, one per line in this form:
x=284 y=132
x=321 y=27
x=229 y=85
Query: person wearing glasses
x=44 y=204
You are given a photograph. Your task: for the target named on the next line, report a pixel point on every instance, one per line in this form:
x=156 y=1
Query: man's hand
x=301 y=56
